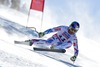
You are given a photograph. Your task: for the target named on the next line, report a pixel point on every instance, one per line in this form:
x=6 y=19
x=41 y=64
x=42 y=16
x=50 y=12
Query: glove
x=41 y=34
x=73 y=58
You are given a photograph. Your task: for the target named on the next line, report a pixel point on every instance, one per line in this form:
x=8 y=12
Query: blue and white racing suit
x=61 y=40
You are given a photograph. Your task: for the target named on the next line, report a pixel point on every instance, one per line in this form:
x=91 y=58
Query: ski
x=22 y=42
x=40 y=49
x=50 y=50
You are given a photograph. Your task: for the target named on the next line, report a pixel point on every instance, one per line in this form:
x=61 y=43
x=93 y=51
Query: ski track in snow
x=58 y=57
x=9 y=56
x=11 y=60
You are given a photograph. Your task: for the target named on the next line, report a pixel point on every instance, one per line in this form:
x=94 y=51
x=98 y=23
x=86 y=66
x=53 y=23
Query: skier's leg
x=37 y=41
x=41 y=41
x=52 y=42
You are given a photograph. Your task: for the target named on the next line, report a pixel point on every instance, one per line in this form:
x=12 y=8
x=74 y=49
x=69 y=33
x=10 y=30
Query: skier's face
x=72 y=31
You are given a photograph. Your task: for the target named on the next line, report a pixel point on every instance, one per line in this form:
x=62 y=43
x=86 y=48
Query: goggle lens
x=73 y=30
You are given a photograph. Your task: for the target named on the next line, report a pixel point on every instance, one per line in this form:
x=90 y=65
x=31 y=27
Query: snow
x=15 y=55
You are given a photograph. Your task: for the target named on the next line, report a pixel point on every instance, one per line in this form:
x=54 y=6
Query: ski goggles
x=73 y=30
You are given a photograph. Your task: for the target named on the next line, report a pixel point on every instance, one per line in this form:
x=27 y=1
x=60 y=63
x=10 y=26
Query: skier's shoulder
x=74 y=37
x=63 y=26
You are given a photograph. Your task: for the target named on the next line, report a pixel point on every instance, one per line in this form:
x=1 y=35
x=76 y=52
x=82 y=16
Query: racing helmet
x=74 y=26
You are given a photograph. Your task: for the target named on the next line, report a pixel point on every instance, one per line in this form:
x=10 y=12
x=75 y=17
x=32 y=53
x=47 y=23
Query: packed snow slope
x=18 y=55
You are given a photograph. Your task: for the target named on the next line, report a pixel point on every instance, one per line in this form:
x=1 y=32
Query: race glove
x=41 y=34
x=73 y=58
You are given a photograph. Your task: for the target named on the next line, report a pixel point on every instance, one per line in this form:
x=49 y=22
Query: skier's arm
x=55 y=29
x=41 y=34
x=75 y=44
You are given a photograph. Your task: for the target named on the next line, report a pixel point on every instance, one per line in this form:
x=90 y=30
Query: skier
x=64 y=37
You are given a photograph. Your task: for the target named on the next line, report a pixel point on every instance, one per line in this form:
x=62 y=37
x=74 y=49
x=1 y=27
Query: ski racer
x=64 y=37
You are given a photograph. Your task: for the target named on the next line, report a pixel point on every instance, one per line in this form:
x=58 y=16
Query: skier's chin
x=70 y=32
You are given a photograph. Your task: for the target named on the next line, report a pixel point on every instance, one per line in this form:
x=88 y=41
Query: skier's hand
x=41 y=34
x=73 y=58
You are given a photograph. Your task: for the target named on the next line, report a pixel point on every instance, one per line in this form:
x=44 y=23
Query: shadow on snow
x=15 y=28
x=50 y=55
